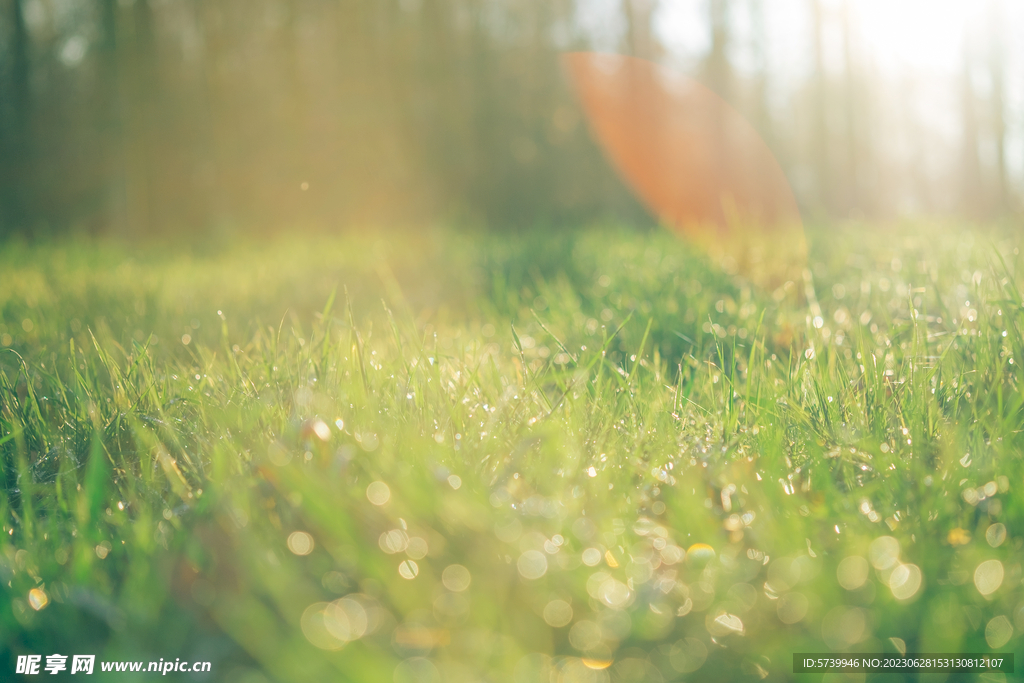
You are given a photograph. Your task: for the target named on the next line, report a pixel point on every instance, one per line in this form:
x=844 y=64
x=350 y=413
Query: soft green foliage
x=559 y=421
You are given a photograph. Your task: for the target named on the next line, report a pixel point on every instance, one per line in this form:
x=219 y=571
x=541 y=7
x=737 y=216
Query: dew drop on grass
x=700 y=553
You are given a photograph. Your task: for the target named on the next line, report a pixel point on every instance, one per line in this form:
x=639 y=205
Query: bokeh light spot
x=995 y=535
x=998 y=632
x=592 y=557
x=688 y=655
x=557 y=613
x=456 y=578
x=905 y=581
x=417 y=670
x=300 y=543
x=38 y=599
x=532 y=564
x=852 y=572
x=988 y=577
x=884 y=552
x=378 y=493
x=792 y=607
x=408 y=569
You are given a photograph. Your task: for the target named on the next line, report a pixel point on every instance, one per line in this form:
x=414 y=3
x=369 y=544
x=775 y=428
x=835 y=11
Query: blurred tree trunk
x=640 y=39
x=209 y=19
x=998 y=111
x=971 y=188
x=854 y=198
x=133 y=74
x=111 y=118
x=716 y=67
x=820 y=135
x=16 y=141
x=762 y=114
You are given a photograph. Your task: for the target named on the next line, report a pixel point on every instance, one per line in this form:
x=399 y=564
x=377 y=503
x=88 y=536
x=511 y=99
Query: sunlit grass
x=580 y=457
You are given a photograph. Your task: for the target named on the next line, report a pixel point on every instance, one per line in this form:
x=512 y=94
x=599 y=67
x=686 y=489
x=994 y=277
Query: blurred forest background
x=152 y=117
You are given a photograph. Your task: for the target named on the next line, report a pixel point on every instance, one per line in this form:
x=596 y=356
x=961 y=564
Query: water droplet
x=700 y=553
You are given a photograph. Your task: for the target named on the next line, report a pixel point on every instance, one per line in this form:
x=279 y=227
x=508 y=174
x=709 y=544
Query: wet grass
x=586 y=457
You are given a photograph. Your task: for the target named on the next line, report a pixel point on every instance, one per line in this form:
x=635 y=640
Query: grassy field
x=578 y=457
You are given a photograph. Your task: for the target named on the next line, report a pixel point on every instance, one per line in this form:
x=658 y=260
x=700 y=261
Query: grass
x=581 y=457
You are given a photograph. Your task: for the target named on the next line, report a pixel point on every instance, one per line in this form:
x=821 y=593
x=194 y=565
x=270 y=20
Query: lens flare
x=694 y=161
